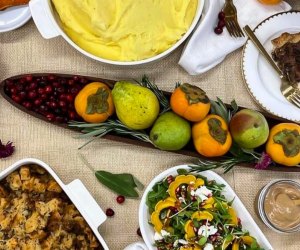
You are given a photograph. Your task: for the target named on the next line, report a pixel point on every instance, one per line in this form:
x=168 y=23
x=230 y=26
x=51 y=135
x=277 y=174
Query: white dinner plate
x=14 y=17
x=261 y=79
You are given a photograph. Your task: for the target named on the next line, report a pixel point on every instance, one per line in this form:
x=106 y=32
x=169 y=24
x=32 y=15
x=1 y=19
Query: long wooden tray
x=187 y=150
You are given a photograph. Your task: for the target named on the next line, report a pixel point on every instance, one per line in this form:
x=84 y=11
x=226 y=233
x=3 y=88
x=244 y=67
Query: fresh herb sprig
x=122 y=184
x=163 y=101
x=96 y=130
x=226 y=112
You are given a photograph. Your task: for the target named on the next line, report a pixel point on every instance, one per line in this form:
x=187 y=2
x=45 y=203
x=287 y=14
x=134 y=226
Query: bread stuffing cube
x=14 y=181
x=53 y=186
x=25 y=173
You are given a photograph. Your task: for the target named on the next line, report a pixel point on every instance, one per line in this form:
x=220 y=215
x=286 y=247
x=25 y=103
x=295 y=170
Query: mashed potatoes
x=125 y=30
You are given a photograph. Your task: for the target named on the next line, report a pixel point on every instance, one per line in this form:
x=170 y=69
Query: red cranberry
x=75 y=90
x=41 y=91
x=69 y=98
x=218 y=30
x=19 y=87
x=22 y=94
x=63 y=81
x=71 y=82
x=27 y=105
x=22 y=81
x=62 y=97
x=62 y=104
x=43 y=108
x=71 y=115
x=32 y=85
x=13 y=90
x=221 y=23
x=52 y=98
x=221 y=15
x=56 y=84
x=174 y=210
x=76 y=78
x=239 y=221
x=83 y=81
x=9 y=83
x=60 y=90
x=16 y=98
x=170 y=179
x=48 y=89
x=110 y=212
x=28 y=78
x=43 y=97
x=32 y=94
x=138 y=232
x=53 y=104
x=38 y=102
x=120 y=199
x=44 y=78
x=50 y=117
x=51 y=78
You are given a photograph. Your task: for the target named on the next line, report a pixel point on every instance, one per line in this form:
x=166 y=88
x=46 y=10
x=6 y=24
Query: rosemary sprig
x=227 y=162
x=96 y=130
x=145 y=82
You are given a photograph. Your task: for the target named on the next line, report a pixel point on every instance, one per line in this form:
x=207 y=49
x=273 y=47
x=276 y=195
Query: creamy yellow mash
x=125 y=30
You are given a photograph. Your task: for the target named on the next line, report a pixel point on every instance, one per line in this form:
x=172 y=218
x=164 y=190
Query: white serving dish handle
x=43 y=18
x=81 y=196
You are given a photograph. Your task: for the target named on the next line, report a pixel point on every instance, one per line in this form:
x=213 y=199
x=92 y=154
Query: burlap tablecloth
x=25 y=51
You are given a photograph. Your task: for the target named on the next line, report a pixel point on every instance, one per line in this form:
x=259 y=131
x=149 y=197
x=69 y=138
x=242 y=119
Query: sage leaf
x=117 y=183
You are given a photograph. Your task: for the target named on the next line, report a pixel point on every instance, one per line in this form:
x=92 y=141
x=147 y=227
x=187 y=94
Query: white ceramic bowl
x=247 y=221
x=76 y=191
x=49 y=25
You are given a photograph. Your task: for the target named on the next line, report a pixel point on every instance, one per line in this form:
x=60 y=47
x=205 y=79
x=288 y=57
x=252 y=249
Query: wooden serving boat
x=187 y=150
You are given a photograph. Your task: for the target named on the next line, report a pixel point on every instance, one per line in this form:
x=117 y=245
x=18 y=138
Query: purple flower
x=6 y=150
x=264 y=161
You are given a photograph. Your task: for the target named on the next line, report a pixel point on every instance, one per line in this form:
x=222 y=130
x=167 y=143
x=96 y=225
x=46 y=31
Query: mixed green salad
x=189 y=212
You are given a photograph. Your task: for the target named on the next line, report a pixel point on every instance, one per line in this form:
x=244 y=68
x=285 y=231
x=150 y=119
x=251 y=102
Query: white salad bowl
x=77 y=193
x=247 y=221
x=49 y=25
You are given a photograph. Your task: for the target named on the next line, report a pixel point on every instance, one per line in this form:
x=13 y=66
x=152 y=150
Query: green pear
x=170 y=132
x=137 y=107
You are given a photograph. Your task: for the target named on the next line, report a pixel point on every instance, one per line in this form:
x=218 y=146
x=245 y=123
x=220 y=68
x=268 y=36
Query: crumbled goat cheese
x=207 y=230
x=208 y=246
x=183 y=242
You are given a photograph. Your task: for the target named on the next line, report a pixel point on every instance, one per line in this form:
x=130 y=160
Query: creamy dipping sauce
x=126 y=30
x=282 y=206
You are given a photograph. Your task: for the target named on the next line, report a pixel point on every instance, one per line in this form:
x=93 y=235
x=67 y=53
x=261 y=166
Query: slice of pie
x=286 y=54
x=10 y=3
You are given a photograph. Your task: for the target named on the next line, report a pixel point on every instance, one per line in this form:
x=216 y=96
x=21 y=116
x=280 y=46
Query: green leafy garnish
x=123 y=184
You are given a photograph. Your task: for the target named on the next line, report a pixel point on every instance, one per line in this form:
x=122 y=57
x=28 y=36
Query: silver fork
x=231 y=21
x=290 y=91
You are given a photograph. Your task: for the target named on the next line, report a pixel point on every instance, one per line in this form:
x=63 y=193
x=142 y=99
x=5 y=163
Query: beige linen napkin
x=205 y=49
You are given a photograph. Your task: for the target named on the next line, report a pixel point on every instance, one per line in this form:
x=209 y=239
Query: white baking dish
x=246 y=219
x=49 y=25
x=76 y=191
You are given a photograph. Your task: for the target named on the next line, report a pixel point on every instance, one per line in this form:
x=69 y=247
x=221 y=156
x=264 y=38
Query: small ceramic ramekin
x=261 y=210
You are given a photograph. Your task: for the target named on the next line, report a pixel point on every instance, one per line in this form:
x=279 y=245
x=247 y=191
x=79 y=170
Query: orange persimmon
x=211 y=136
x=190 y=102
x=94 y=102
x=283 y=145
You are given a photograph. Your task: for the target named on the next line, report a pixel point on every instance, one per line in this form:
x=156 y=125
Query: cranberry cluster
x=221 y=23
x=51 y=96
